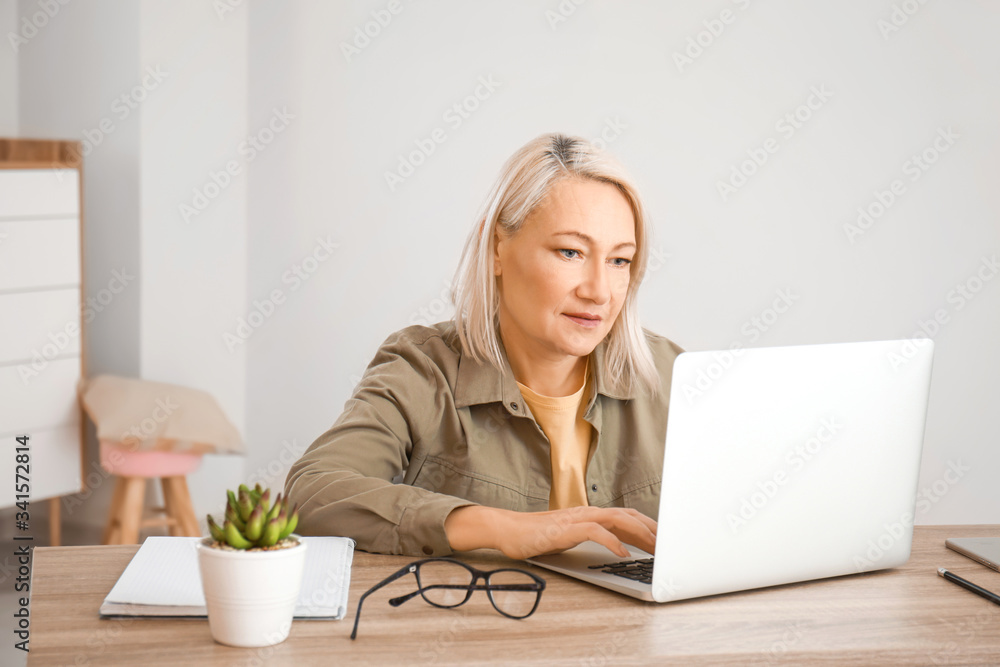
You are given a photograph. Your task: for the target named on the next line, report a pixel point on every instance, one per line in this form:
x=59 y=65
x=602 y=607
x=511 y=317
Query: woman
x=533 y=421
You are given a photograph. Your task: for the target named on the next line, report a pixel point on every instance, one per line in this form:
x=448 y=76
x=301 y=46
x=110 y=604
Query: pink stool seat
x=124 y=462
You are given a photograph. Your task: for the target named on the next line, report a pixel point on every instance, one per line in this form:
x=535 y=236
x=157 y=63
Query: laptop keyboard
x=640 y=570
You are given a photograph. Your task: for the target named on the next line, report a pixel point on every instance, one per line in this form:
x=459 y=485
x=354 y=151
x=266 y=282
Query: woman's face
x=564 y=275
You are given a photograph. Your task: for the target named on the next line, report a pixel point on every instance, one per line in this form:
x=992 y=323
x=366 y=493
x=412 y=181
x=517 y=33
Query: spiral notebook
x=163 y=579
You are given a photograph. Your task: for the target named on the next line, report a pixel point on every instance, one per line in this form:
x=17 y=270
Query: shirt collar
x=480 y=383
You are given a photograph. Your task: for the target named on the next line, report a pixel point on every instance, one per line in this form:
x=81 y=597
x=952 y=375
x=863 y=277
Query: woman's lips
x=584 y=319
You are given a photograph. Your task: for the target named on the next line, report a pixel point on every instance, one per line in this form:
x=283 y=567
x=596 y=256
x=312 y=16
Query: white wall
x=679 y=130
x=194 y=259
x=8 y=70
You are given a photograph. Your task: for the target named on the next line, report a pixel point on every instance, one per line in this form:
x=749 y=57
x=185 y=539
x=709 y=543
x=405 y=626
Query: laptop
x=781 y=464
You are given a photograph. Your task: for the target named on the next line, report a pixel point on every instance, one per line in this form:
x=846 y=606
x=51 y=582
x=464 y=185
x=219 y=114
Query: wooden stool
x=133 y=468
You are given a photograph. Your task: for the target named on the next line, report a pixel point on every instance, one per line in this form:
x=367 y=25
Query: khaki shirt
x=454 y=432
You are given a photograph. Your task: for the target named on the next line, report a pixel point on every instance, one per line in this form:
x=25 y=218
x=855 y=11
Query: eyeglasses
x=447 y=583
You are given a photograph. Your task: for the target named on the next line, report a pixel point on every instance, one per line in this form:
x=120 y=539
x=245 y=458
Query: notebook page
x=163 y=572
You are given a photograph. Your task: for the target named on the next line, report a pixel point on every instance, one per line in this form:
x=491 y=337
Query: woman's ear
x=497 y=242
x=496 y=254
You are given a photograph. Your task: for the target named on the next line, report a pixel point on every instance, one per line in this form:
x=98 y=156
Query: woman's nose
x=595 y=285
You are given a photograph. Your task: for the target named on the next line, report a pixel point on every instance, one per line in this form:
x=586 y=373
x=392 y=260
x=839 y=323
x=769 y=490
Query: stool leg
x=55 y=528
x=131 y=511
x=113 y=530
x=170 y=505
x=179 y=506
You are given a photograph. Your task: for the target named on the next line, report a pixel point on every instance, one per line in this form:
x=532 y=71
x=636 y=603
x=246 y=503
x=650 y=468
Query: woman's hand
x=527 y=534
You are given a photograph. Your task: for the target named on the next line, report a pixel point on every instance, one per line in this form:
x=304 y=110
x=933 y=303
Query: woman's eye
x=569 y=254
x=621 y=261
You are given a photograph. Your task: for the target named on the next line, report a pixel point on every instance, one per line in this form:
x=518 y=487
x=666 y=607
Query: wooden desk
x=908 y=615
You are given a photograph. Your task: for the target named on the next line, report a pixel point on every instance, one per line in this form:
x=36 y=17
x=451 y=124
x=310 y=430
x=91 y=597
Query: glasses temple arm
x=395 y=602
x=385 y=582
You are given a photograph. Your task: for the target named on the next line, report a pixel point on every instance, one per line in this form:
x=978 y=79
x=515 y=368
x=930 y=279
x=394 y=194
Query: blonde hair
x=524 y=182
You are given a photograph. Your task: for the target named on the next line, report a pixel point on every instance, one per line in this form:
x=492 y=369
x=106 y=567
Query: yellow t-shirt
x=561 y=419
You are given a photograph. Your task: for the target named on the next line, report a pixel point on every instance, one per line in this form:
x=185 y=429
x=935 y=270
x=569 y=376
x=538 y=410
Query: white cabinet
x=41 y=325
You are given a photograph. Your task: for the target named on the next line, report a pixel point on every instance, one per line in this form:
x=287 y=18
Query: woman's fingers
x=598 y=533
x=628 y=525
x=532 y=534
x=649 y=523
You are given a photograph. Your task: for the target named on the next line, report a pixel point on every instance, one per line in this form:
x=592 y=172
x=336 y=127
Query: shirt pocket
x=442 y=476
x=645 y=498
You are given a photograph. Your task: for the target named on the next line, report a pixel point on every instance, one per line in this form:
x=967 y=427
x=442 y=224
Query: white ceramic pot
x=250 y=595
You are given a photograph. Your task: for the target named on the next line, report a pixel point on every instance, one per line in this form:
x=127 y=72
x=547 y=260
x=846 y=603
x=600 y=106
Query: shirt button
x=428 y=550
x=513 y=406
x=593 y=487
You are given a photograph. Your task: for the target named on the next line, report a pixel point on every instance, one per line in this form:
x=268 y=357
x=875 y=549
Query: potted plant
x=251 y=569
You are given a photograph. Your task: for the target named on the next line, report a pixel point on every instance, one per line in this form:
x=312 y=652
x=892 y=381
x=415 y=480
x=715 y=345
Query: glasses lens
x=444 y=583
x=513 y=592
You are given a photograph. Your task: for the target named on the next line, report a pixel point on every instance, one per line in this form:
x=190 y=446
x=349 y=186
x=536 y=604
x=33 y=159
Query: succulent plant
x=251 y=521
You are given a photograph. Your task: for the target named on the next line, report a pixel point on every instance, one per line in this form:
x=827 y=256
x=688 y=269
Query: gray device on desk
x=780 y=465
x=985 y=550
